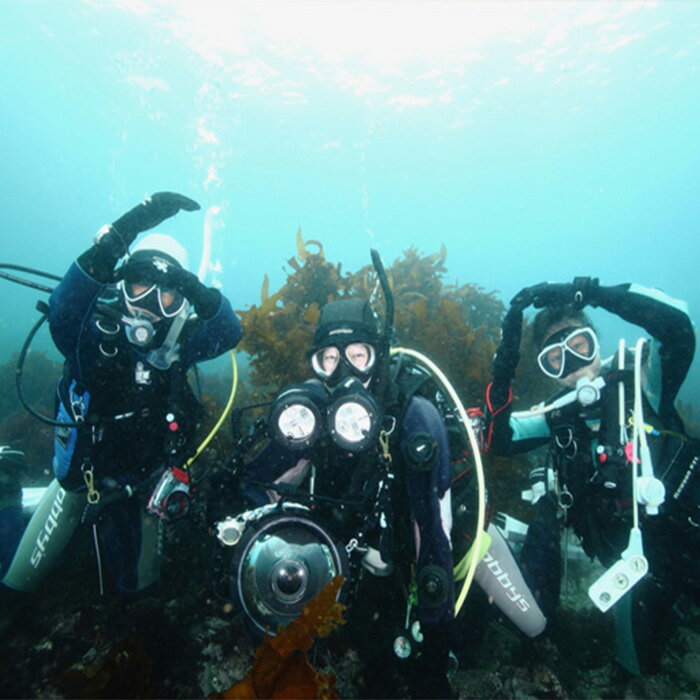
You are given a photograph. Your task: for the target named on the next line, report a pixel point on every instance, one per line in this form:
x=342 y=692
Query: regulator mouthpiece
x=139 y=331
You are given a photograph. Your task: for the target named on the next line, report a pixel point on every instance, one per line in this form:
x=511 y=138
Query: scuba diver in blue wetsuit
x=621 y=471
x=352 y=472
x=126 y=414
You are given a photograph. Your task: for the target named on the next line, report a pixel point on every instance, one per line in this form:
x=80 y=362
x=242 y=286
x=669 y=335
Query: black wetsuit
x=594 y=476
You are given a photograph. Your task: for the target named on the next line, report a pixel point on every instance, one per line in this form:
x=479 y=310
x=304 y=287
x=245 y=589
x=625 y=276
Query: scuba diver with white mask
x=126 y=415
x=621 y=470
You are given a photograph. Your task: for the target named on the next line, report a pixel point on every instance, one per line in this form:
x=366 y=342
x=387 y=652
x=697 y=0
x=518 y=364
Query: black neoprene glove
x=522 y=299
x=113 y=241
x=585 y=290
x=151 y=212
x=551 y=294
x=206 y=300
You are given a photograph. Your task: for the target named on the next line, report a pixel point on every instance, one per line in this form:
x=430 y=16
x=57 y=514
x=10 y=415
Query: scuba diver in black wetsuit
x=333 y=435
x=126 y=414
x=364 y=449
x=621 y=470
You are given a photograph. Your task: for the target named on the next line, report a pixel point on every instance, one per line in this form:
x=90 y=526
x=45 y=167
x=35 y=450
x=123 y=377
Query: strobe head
x=296 y=415
x=353 y=416
x=282 y=562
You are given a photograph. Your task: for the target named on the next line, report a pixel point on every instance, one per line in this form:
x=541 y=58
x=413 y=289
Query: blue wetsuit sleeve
x=70 y=308
x=209 y=338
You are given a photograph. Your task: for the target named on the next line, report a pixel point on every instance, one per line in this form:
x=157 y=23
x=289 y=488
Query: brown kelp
x=281 y=668
x=456 y=325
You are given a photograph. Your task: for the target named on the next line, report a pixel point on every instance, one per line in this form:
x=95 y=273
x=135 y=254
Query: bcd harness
x=149 y=401
x=409 y=379
x=587 y=451
x=612 y=456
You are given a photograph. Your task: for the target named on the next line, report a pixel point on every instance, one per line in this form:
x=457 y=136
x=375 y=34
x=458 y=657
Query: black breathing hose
x=43 y=309
x=26 y=282
x=385 y=358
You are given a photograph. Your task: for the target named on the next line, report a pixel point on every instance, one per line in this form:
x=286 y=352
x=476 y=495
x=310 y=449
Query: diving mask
x=156 y=301
x=335 y=362
x=568 y=350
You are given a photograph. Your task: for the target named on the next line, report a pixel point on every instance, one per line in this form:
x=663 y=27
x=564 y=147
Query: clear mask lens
x=360 y=356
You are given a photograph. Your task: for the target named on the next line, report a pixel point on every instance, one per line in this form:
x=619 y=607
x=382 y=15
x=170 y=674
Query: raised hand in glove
x=508 y=353
x=156 y=270
x=551 y=294
x=585 y=290
x=113 y=241
x=522 y=299
x=152 y=211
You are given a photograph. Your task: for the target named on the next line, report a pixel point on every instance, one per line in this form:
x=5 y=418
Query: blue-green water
x=536 y=140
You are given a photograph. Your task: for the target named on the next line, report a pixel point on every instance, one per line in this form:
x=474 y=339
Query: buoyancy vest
x=407 y=380
x=594 y=474
x=133 y=418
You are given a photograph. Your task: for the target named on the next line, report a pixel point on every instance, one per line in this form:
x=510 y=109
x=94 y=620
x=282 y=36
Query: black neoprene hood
x=346 y=321
x=151 y=254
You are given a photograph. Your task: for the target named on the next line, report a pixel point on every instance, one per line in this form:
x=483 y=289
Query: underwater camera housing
x=282 y=557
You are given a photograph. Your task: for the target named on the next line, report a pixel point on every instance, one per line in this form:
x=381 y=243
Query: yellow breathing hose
x=224 y=413
x=475 y=549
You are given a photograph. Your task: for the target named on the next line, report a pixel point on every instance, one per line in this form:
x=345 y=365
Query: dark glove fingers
x=172 y=202
x=522 y=299
x=184 y=281
x=151 y=212
x=206 y=300
x=541 y=294
x=552 y=294
x=585 y=291
x=142 y=271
